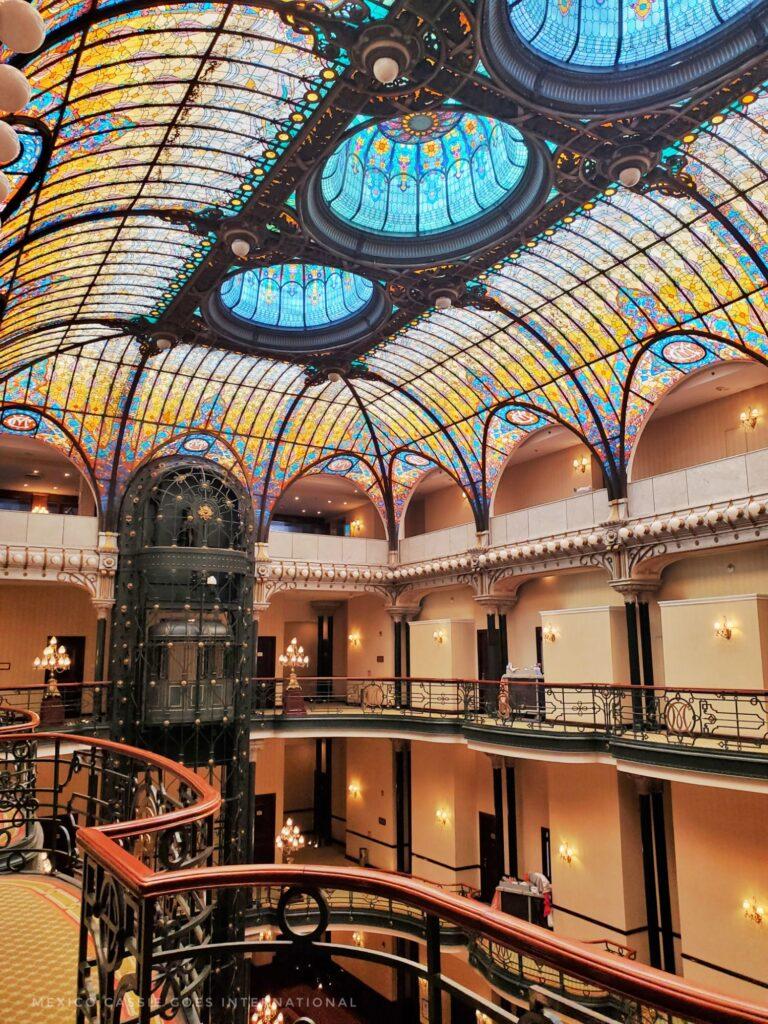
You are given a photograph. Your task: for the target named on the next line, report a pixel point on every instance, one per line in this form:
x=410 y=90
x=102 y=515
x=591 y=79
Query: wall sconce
x=358 y=939
x=443 y=817
x=549 y=634
x=354 y=639
x=439 y=636
x=749 y=418
x=354 y=790
x=753 y=911
x=265 y=935
x=566 y=852
x=580 y=465
x=356 y=527
x=723 y=629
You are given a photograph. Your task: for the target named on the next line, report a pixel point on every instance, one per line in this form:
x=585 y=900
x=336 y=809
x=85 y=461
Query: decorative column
x=496 y=652
x=639 y=642
x=401 y=615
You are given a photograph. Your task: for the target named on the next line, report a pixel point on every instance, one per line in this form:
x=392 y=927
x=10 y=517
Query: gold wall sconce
x=753 y=911
x=566 y=852
x=749 y=418
x=354 y=639
x=355 y=791
x=549 y=634
x=442 y=816
x=723 y=629
x=356 y=527
x=580 y=465
x=358 y=939
x=439 y=636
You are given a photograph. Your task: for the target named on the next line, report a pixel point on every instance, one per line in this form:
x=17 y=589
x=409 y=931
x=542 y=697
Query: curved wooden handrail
x=546 y=683
x=626 y=977
x=27 y=722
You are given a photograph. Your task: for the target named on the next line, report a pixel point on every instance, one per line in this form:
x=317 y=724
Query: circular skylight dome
x=296 y=308
x=618 y=55
x=429 y=185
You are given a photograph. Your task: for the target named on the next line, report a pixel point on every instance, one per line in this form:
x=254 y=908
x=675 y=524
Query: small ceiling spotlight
x=566 y=852
x=749 y=418
x=753 y=911
x=723 y=629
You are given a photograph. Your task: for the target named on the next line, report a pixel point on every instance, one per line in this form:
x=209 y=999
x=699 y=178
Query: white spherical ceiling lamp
x=14 y=89
x=5 y=187
x=21 y=27
x=241 y=247
x=386 y=70
x=10 y=146
x=630 y=176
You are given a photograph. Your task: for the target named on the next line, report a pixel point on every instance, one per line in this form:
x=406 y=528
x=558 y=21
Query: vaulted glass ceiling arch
x=157 y=126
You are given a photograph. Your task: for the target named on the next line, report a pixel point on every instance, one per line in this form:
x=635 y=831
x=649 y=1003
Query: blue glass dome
x=296 y=296
x=598 y=57
x=296 y=309
x=429 y=185
x=610 y=33
x=424 y=172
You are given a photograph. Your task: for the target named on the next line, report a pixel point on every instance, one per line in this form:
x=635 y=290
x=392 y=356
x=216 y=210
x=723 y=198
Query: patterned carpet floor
x=39 y=926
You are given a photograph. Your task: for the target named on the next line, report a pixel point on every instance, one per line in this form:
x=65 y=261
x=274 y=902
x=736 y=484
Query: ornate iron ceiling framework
x=177 y=147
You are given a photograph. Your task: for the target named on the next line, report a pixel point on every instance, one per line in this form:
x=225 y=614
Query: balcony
x=137 y=834
x=315 y=547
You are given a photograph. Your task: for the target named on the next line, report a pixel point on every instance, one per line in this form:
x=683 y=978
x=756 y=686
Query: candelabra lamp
x=267 y=1012
x=53 y=662
x=289 y=840
x=293 y=698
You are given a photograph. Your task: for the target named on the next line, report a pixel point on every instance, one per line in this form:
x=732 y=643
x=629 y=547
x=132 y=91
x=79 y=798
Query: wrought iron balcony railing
x=144 y=830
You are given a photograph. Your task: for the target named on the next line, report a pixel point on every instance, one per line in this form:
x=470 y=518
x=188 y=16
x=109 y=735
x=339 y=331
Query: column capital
x=632 y=589
x=498 y=603
x=103 y=606
x=258 y=608
x=403 y=612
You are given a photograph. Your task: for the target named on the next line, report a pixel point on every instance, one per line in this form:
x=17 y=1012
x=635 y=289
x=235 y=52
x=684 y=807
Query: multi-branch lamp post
x=55 y=659
x=294 y=657
x=290 y=840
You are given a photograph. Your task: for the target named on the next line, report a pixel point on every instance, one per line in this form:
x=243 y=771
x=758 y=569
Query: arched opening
x=436 y=503
x=325 y=503
x=550 y=465
x=700 y=420
x=36 y=477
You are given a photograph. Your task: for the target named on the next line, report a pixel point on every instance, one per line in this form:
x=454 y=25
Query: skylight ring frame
x=556 y=88
x=462 y=240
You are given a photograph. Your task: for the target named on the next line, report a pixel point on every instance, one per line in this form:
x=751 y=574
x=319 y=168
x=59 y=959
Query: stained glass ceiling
x=158 y=137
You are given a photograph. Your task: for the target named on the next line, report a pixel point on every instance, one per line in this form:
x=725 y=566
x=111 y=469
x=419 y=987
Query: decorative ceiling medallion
x=20 y=422
x=618 y=56
x=684 y=352
x=297 y=309
x=196 y=445
x=342 y=464
x=417 y=461
x=522 y=417
x=427 y=187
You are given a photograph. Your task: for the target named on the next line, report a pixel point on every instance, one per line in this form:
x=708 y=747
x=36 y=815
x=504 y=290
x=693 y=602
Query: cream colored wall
x=694 y=656
x=299 y=782
x=292 y=614
x=371 y=766
x=367 y=513
x=29 y=612
x=720 y=843
x=532 y=807
x=437 y=510
x=702 y=434
x=270 y=774
x=379 y=977
x=590 y=645
x=454 y=658
x=594 y=810
x=367 y=616
x=460 y=782
x=339 y=789
x=545 y=478
x=566 y=590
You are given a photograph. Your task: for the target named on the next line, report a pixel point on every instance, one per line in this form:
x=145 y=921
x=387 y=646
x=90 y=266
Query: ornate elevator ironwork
x=182 y=647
